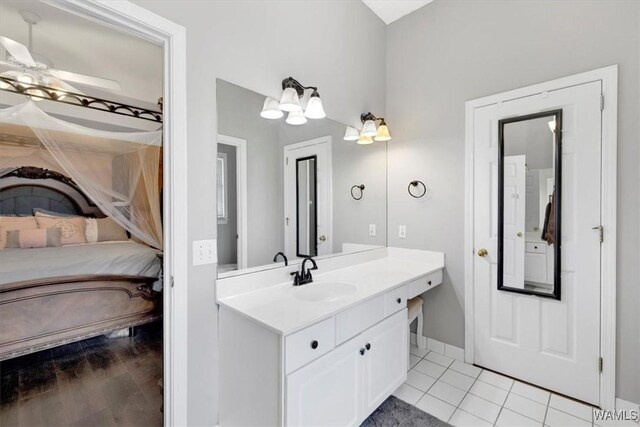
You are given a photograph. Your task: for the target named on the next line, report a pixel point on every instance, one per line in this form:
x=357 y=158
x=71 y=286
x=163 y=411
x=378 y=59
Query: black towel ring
x=359 y=187
x=415 y=184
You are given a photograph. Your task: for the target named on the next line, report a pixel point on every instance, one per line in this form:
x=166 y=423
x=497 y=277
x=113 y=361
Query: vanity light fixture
x=351 y=134
x=369 y=131
x=292 y=92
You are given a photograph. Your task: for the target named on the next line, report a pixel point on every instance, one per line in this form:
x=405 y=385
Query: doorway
x=534 y=312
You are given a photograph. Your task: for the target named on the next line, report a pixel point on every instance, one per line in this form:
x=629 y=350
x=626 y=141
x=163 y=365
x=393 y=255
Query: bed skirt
x=44 y=313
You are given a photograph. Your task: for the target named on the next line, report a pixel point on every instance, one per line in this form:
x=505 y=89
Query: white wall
x=450 y=52
x=338 y=46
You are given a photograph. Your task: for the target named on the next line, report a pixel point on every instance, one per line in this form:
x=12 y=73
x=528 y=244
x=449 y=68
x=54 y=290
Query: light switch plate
x=372 y=230
x=205 y=252
x=402 y=232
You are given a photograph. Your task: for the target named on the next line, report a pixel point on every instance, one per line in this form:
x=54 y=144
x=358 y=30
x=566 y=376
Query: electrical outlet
x=205 y=252
x=372 y=230
x=402 y=232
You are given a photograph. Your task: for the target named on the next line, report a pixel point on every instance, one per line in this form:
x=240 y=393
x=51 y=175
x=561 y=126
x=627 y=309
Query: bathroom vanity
x=326 y=353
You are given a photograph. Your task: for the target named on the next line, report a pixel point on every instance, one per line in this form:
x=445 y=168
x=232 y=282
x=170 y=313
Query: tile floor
x=465 y=395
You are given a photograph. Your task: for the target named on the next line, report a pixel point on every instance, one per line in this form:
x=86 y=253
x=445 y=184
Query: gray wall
x=227 y=231
x=334 y=45
x=450 y=52
x=239 y=116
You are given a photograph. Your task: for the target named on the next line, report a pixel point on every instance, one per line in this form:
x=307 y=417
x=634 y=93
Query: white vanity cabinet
x=306 y=378
x=343 y=387
x=324 y=354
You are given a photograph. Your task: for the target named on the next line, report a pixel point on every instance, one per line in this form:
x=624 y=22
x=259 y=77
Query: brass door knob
x=323 y=238
x=519 y=234
x=482 y=252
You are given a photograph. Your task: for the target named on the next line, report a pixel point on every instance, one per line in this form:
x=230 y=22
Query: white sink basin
x=324 y=291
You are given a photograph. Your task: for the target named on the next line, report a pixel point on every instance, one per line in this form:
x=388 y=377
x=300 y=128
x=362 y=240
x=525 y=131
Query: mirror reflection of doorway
x=231 y=176
x=528 y=174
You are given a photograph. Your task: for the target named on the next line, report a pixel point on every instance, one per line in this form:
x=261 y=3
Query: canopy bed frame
x=43 y=313
x=80 y=100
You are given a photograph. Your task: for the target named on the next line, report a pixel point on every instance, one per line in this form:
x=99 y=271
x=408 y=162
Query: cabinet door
x=385 y=362
x=327 y=391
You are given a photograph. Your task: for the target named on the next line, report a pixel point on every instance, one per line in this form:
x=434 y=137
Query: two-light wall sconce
x=369 y=132
x=292 y=93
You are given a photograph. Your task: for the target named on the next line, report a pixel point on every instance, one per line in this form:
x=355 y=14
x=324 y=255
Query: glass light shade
x=271 y=109
x=290 y=101
x=351 y=134
x=383 y=134
x=364 y=140
x=369 y=128
x=314 y=108
x=28 y=79
x=296 y=118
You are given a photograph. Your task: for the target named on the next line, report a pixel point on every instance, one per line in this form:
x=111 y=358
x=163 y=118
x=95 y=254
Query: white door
x=298 y=231
x=385 y=364
x=514 y=220
x=327 y=392
x=548 y=342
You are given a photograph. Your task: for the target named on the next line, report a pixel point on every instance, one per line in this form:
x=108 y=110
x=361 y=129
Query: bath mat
x=396 y=413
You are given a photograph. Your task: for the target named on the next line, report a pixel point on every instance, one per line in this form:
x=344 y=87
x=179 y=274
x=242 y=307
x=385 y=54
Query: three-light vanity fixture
x=292 y=92
x=369 y=132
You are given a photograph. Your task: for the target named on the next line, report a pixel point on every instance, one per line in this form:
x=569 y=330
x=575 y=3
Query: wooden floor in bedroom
x=97 y=382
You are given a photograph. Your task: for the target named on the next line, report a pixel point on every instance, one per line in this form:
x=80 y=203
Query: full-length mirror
x=529 y=204
x=285 y=191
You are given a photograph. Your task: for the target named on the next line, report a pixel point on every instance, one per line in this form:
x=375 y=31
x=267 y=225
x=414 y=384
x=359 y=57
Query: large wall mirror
x=529 y=203
x=286 y=191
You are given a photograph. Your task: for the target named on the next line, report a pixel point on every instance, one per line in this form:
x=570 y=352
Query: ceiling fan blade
x=84 y=79
x=19 y=51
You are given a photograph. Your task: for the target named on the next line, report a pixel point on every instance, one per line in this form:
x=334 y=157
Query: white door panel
x=548 y=342
x=321 y=148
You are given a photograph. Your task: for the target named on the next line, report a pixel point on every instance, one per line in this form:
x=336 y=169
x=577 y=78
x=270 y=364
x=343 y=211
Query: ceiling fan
x=31 y=68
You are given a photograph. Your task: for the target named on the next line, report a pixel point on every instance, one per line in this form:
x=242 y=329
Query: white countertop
x=280 y=309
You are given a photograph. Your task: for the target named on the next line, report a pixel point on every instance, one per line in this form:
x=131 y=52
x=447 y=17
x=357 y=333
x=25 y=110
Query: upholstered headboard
x=26 y=188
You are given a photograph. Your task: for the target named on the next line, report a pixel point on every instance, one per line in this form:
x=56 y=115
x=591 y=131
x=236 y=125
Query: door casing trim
x=608 y=76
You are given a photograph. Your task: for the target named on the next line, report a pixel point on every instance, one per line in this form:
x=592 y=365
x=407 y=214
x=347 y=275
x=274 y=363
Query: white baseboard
x=625 y=405
x=440 y=347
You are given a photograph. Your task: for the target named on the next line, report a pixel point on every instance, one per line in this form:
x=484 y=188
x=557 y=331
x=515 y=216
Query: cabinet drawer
x=395 y=300
x=536 y=248
x=422 y=285
x=351 y=322
x=308 y=344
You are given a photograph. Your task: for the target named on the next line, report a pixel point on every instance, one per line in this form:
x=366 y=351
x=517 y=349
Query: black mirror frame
x=557 y=115
x=315 y=206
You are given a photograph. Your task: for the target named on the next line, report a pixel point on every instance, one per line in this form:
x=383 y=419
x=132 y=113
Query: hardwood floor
x=97 y=382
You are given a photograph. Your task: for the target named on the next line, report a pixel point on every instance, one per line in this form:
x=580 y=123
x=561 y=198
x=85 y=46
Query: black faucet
x=304 y=276
x=284 y=257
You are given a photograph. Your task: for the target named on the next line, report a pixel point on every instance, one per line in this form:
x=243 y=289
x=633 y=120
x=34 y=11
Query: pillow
x=109 y=231
x=71 y=229
x=91 y=230
x=9 y=223
x=34 y=238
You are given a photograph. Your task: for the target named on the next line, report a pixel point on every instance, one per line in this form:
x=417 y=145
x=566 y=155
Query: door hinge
x=600 y=231
x=287 y=161
x=601 y=102
x=600 y=363
x=171 y=280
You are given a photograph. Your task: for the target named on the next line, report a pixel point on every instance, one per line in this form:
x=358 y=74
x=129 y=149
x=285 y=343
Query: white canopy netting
x=119 y=171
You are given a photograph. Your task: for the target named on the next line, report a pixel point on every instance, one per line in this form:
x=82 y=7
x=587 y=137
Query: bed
x=56 y=295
